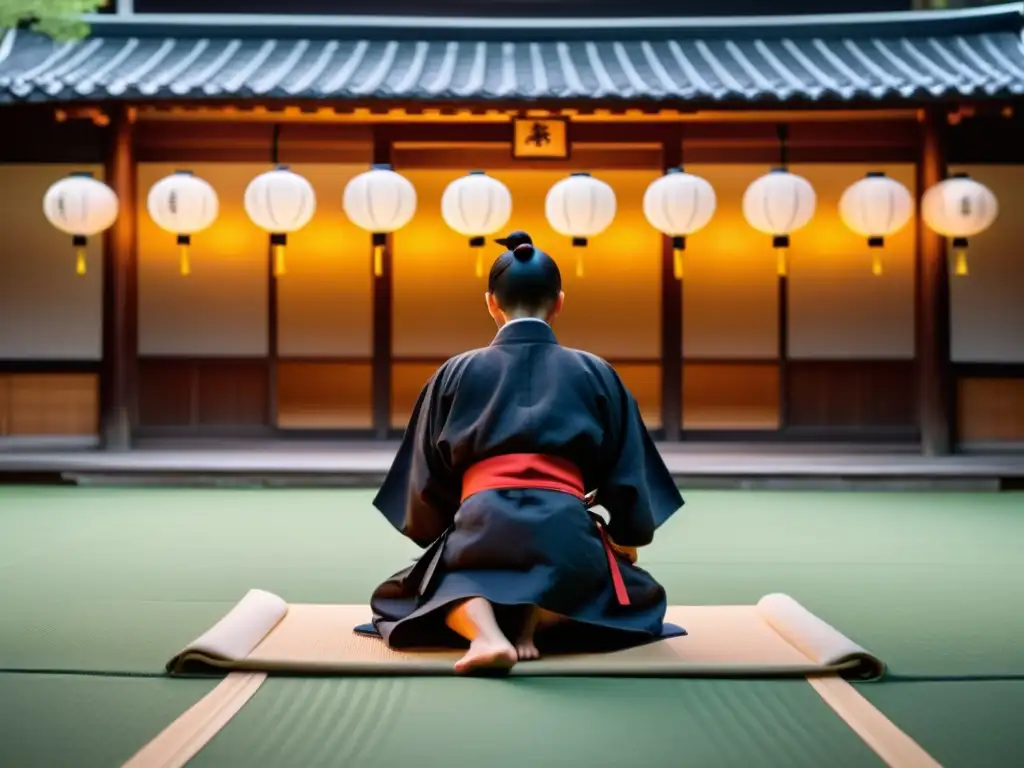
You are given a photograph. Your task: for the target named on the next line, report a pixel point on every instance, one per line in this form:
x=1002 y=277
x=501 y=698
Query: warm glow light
x=678 y=205
x=874 y=208
x=778 y=204
x=959 y=208
x=80 y=206
x=183 y=204
x=580 y=207
x=279 y=202
x=476 y=205
x=379 y=201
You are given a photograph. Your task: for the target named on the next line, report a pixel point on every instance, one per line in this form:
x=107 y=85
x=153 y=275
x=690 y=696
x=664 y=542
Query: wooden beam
x=120 y=290
x=383 y=298
x=934 y=372
x=671 y=318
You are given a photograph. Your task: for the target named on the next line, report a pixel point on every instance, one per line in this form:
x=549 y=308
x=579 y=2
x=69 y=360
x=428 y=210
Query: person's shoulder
x=454 y=366
x=590 y=360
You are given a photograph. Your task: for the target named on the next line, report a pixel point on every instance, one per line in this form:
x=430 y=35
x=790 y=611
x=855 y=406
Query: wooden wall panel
x=203 y=392
x=644 y=381
x=220 y=309
x=407 y=379
x=851 y=393
x=730 y=395
x=47 y=311
x=613 y=310
x=49 y=404
x=324 y=395
x=5 y=405
x=990 y=410
x=987 y=305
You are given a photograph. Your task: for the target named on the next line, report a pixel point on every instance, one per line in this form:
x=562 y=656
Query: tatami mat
x=548 y=723
x=86 y=722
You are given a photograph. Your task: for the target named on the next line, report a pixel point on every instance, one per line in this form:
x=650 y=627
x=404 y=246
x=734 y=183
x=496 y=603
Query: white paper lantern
x=475 y=206
x=778 y=204
x=379 y=201
x=959 y=208
x=874 y=208
x=679 y=204
x=580 y=207
x=80 y=206
x=183 y=205
x=280 y=202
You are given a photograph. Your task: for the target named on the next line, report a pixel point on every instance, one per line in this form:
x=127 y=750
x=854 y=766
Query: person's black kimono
x=519 y=547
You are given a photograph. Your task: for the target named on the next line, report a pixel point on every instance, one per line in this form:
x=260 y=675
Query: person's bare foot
x=527 y=649
x=525 y=645
x=485 y=653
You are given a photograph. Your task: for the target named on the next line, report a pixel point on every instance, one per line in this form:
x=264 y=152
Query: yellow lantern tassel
x=378 y=260
x=80 y=260
x=677 y=261
x=876 y=263
x=960 y=262
x=279 y=264
x=479 y=262
x=183 y=261
x=781 y=262
x=579 y=265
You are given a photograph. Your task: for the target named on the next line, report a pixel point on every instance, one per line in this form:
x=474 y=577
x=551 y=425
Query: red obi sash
x=550 y=473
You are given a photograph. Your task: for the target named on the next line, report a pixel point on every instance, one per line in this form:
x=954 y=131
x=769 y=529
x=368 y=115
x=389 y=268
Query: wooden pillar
x=273 y=323
x=120 y=289
x=382 y=311
x=934 y=372
x=671 y=318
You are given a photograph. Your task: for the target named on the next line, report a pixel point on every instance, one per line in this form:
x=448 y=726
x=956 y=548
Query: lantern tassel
x=80 y=260
x=782 y=262
x=876 y=264
x=960 y=262
x=279 y=264
x=378 y=260
x=677 y=262
x=579 y=265
x=185 y=265
x=479 y=262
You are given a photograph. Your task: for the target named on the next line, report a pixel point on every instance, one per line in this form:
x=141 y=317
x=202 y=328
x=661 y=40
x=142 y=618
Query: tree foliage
x=60 y=19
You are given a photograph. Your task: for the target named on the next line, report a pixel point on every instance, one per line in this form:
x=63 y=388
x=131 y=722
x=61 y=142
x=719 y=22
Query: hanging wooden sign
x=545 y=138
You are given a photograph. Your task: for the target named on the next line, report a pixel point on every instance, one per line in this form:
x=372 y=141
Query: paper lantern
x=679 y=204
x=475 y=206
x=183 y=205
x=280 y=202
x=379 y=201
x=959 y=208
x=778 y=204
x=580 y=207
x=874 y=208
x=80 y=206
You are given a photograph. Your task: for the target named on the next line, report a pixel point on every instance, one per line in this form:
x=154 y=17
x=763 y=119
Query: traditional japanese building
x=719 y=347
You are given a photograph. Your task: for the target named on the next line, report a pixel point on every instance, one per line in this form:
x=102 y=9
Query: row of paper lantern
x=381 y=201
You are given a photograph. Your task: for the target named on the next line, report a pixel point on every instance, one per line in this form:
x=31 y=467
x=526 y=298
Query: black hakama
x=525 y=546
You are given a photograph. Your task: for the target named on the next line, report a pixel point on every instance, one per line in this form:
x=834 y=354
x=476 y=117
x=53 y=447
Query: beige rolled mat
x=778 y=637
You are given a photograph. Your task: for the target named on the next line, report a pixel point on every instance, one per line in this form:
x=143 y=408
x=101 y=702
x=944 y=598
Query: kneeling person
x=491 y=479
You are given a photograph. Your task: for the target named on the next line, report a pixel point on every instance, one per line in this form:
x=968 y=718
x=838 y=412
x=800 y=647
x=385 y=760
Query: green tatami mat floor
x=962 y=724
x=449 y=723
x=120 y=579
x=86 y=722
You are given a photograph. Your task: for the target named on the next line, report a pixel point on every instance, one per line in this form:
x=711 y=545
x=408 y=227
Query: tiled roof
x=901 y=56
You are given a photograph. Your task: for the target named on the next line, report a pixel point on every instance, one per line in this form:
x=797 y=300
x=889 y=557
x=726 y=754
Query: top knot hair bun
x=523 y=252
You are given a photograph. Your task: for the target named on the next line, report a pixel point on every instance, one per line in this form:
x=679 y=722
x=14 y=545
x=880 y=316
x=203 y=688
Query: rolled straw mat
x=778 y=637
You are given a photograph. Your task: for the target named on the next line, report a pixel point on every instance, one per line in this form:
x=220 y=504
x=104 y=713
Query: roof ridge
x=1006 y=17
